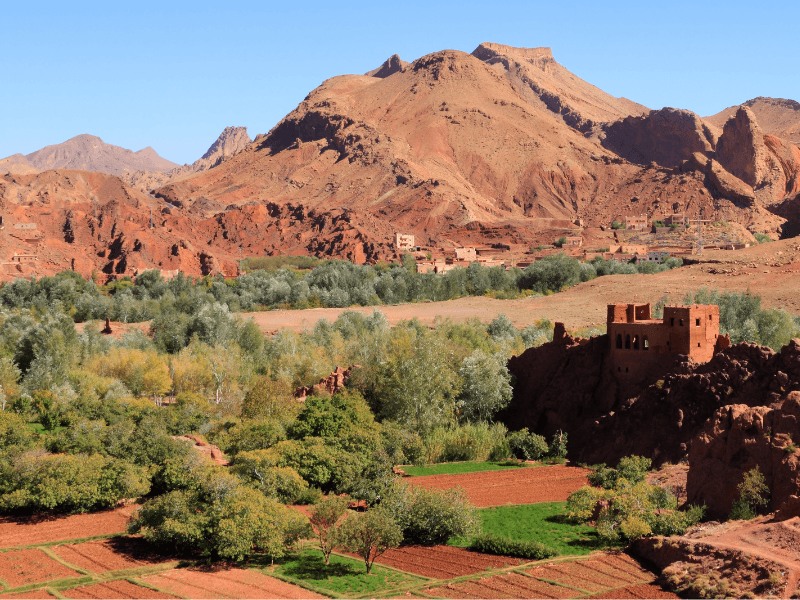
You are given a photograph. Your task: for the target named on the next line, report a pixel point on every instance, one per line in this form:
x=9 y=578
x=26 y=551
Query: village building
x=639 y=222
x=657 y=255
x=677 y=219
x=468 y=254
x=573 y=241
x=404 y=241
x=641 y=345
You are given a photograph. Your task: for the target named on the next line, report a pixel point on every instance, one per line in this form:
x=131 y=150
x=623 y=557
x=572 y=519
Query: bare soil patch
x=225 y=583
x=520 y=486
x=597 y=574
x=114 y=589
x=110 y=555
x=23 y=567
x=443 y=562
x=643 y=590
x=509 y=585
x=28 y=594
x=41 y=529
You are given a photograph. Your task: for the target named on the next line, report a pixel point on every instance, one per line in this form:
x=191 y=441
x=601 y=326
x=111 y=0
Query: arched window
x=680 y=323
x=627 y=342
x=635 y=342
x=619 y=340
x=646 y=343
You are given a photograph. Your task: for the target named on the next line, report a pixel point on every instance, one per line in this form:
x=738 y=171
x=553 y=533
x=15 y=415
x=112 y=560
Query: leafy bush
x=467 y=442
x=490 y=543
x=256 y=468
x=526 y=445
x=430 y=516
x=38 y=481
x=632 y=469
x=221 y=519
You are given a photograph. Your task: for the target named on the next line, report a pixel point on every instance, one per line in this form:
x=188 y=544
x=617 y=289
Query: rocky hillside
x=503 y=145
x=89 y=221
x=777 y=116
x=87 y=153
x=231 y=141
x=498 y=145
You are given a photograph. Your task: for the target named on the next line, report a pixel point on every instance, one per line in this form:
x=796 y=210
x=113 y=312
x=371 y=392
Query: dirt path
x=771 y=270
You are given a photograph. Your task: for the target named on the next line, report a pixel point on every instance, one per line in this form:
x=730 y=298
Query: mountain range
x=500 y=146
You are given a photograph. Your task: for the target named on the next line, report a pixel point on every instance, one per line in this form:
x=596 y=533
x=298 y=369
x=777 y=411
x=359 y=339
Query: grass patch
x=544 y=523
x=343 y=577
x=463 y=467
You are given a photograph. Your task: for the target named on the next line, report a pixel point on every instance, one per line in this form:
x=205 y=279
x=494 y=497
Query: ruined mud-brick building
x=640 y=344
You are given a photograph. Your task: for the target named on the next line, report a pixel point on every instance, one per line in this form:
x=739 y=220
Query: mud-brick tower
x=641 y=345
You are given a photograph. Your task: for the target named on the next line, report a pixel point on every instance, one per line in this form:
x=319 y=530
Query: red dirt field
x=509 y=585
x=41 y=529
x=23 y=567
x=643 y=590
x=443 y=562
x=31 y=594
x=225 y=583
x=114 y=589
x=520 y=486
x=609 y=571
x=110 y=555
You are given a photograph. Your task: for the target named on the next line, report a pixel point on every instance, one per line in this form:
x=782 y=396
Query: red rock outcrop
x=210 y=451
x=328 y=385
x=392 y=65
x=567 y=386
x=667 y=137
x=738 y=438
x=779 y=117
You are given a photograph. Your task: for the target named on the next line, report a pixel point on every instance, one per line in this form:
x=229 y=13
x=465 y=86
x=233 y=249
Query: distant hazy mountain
x=88 y=153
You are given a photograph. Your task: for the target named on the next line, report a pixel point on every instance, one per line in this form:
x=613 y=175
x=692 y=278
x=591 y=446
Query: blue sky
x=172 y=75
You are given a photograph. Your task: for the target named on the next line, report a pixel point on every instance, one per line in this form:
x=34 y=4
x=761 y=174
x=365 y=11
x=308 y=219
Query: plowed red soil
x=110 y=555
x=225 y=583
x=443 y=562
x=41 y=529
x=510 y=585
x=519 y=486
x=114 y=589
x=643 y=590
x=596 y=574
x=23 y=567
x=32 y=594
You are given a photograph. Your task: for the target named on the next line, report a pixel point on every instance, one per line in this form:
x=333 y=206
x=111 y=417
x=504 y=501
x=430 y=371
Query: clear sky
x=172 y=75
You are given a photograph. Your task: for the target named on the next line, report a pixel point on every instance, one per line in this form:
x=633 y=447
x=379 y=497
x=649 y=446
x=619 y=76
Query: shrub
x=429 y=516
x=490 y=543
x=558 y=445
x=467 y=442
x=257 y=470
x=632 y=469
x=69 y=483
x=526 y=445
x=221 y=519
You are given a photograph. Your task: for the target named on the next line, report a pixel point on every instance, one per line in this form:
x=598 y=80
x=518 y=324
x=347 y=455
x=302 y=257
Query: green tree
x=324 y=518
x=369 y=535
x=486 y=388
x=343 y=420
x=418 y=388
x=753 y=494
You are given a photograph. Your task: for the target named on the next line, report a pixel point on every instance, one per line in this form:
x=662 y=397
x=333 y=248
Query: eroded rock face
x=328 y=385
x=741 y=150
x=666 y=137
x=739 y=438
x=567 y=386
x=392 y=65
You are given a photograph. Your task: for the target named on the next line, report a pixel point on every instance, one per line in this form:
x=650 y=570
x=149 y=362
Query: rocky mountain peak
x=741 y=149
x=229 y=142
x=392 y=65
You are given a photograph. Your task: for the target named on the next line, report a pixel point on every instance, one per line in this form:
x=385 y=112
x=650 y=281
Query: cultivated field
x=49 y=558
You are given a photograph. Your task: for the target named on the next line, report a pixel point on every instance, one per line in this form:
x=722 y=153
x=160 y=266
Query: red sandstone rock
x=328 y=385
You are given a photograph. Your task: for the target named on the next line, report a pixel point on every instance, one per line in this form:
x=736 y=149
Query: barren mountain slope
x=229 y=142
x=89 y=221
x=544 y=82
x=448 y=148
x=89 y=153
x=776 y=116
